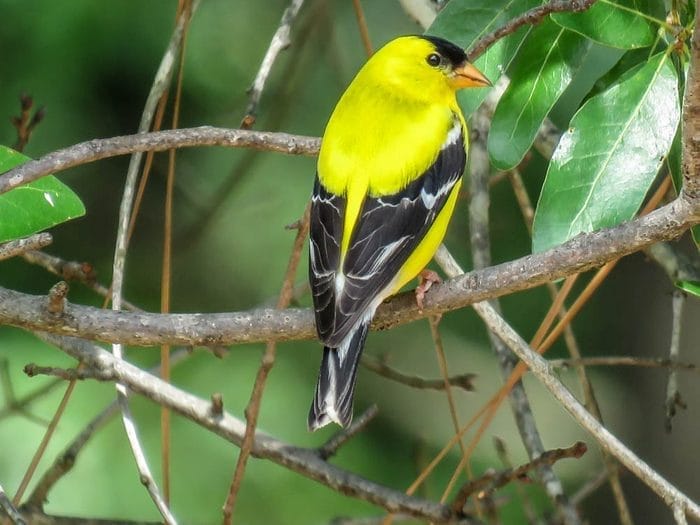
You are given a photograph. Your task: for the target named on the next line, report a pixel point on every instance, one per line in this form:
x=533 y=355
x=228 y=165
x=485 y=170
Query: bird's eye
x=433 y=59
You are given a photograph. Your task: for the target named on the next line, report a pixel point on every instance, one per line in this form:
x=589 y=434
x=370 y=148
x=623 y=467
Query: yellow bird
x=389 y=171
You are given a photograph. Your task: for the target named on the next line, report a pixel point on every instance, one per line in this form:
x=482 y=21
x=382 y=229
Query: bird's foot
x=426 y=280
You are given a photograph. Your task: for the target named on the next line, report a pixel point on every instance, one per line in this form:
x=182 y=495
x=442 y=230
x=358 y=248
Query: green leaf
x=692 y=287
x=615 y=24
x=605 y=162
x=466 y=21
x=35 y=206
x=546 y=63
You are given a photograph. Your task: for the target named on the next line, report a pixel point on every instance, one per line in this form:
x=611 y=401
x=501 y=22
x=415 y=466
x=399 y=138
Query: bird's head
x=426 y=66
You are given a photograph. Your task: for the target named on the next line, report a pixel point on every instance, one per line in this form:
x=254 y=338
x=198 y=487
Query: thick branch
x=307 y=462
x=97 y=149
x=579 y=254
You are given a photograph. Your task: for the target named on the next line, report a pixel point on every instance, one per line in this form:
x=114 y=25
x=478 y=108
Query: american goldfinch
x=389 y=171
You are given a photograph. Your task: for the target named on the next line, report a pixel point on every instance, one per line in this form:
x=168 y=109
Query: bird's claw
x=426 y=280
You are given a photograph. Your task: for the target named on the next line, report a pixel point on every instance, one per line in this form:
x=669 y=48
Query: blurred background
x=91 y=64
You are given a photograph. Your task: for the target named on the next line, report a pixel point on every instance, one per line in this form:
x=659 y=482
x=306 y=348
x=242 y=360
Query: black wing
x=387 y=232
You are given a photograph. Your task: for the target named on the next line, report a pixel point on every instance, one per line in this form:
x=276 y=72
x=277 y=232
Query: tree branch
x=532 y=17
x=20 y=246
x=279 y=42
x=97 y=149
x=539 y=366
x=307 y=462
x=583 y=252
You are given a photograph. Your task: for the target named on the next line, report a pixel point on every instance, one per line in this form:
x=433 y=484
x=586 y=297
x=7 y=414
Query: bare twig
x=67 y=374
x=280 y=41
x=579 y=254
x=362 y=25
x=590 y=487
x=590 y=400
x=331 y=447
x=268 y=360
x=495 y=480
x=160 y=84
x=526 y=502
x=6 y=505
x=481 y=254
x=539 y=366
x=380 y=367
x=673 y=395
x=305 y=461
x=97 y=149
x=651 y=362
x=21 y=246
x=532 y=17
x=25 y=122
x=37 y=516
x=17 y=405
x=66 y=460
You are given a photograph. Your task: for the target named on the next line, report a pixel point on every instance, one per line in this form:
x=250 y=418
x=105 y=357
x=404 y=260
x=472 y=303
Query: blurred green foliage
x=91 y=65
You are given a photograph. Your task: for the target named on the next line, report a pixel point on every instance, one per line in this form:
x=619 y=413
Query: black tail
x=336 y=381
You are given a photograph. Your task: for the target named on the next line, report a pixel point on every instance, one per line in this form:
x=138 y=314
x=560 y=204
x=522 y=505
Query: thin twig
x=20 y=246
x=481 y=253
x=380 y=367
x=673 y=395
x=67 y=374
x=301 y=460
x=34 y=463
x=362 y=25
x=65 y=461
x=280 y=41
x=495 y=480
x=160 y=84
x=532 y=17
x=26 y=122
x=331 y=447
x=558 y=296
x=444 y=371
x=184 y=7
x=588 y=488
x=6 y=505
x=647 y=362
x=539 y=366
x=252 y=410
x=525 y=500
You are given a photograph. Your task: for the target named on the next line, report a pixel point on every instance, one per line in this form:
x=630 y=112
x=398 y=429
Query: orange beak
x=467 y=75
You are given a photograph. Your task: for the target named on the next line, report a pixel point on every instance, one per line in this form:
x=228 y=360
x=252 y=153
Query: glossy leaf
x=547 y=62
x=692 y=287
x=466 y=21
x=605 y=162
x=36 y=206
x=615 y=24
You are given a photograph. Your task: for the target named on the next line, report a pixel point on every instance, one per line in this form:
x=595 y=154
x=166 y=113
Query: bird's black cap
x=447 y=49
